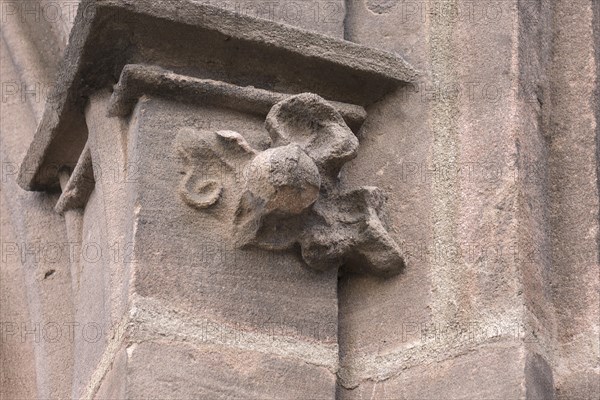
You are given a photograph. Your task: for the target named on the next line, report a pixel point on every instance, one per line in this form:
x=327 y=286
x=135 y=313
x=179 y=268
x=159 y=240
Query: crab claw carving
x=312 y=123
x=350 y=233
x=290 y=194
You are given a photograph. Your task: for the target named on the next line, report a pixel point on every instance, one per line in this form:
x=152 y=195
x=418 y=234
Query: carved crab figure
x=290 y=195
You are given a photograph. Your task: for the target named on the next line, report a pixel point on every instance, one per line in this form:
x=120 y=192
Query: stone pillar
x=478 y=312
x=203 y=186
x=203 y=316
x=573 y=128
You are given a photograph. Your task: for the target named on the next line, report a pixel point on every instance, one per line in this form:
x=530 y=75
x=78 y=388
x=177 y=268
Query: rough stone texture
x=76 y=186
x=223 y=375
x=323 y=16
x=573 y=128
x=30 y=252
x=489 y=165
x=492 y=372
x=17 y=364
x=474 y=215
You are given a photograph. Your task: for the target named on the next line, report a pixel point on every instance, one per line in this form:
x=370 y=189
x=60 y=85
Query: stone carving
x=290 y=195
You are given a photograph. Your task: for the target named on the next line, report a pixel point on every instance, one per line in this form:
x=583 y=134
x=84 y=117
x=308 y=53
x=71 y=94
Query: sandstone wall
x=490 y=167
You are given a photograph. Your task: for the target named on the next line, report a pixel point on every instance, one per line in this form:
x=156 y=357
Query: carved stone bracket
x=290 y=195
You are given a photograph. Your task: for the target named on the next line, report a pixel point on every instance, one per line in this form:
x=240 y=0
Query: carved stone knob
x=283 y=179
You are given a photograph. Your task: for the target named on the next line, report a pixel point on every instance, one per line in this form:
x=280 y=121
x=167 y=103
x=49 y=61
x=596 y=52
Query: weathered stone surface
x=316 y=127
x=76 y=186
x=540 y=380
x=17 y=356
x=475 y=221
x=220 y=374
x=31 y=250
x=493 y=369
x=198 y=269
x=572 y=123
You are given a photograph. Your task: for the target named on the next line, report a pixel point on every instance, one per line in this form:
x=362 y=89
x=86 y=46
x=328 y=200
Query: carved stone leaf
x=351 y=234
x=311 y=122
x=206 y=155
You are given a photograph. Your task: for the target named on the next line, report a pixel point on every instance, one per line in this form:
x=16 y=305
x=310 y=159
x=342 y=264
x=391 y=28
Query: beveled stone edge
x=78 y=188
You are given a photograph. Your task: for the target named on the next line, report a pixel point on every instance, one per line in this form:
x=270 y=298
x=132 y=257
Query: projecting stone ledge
x=138 y=80
x=200 y=41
